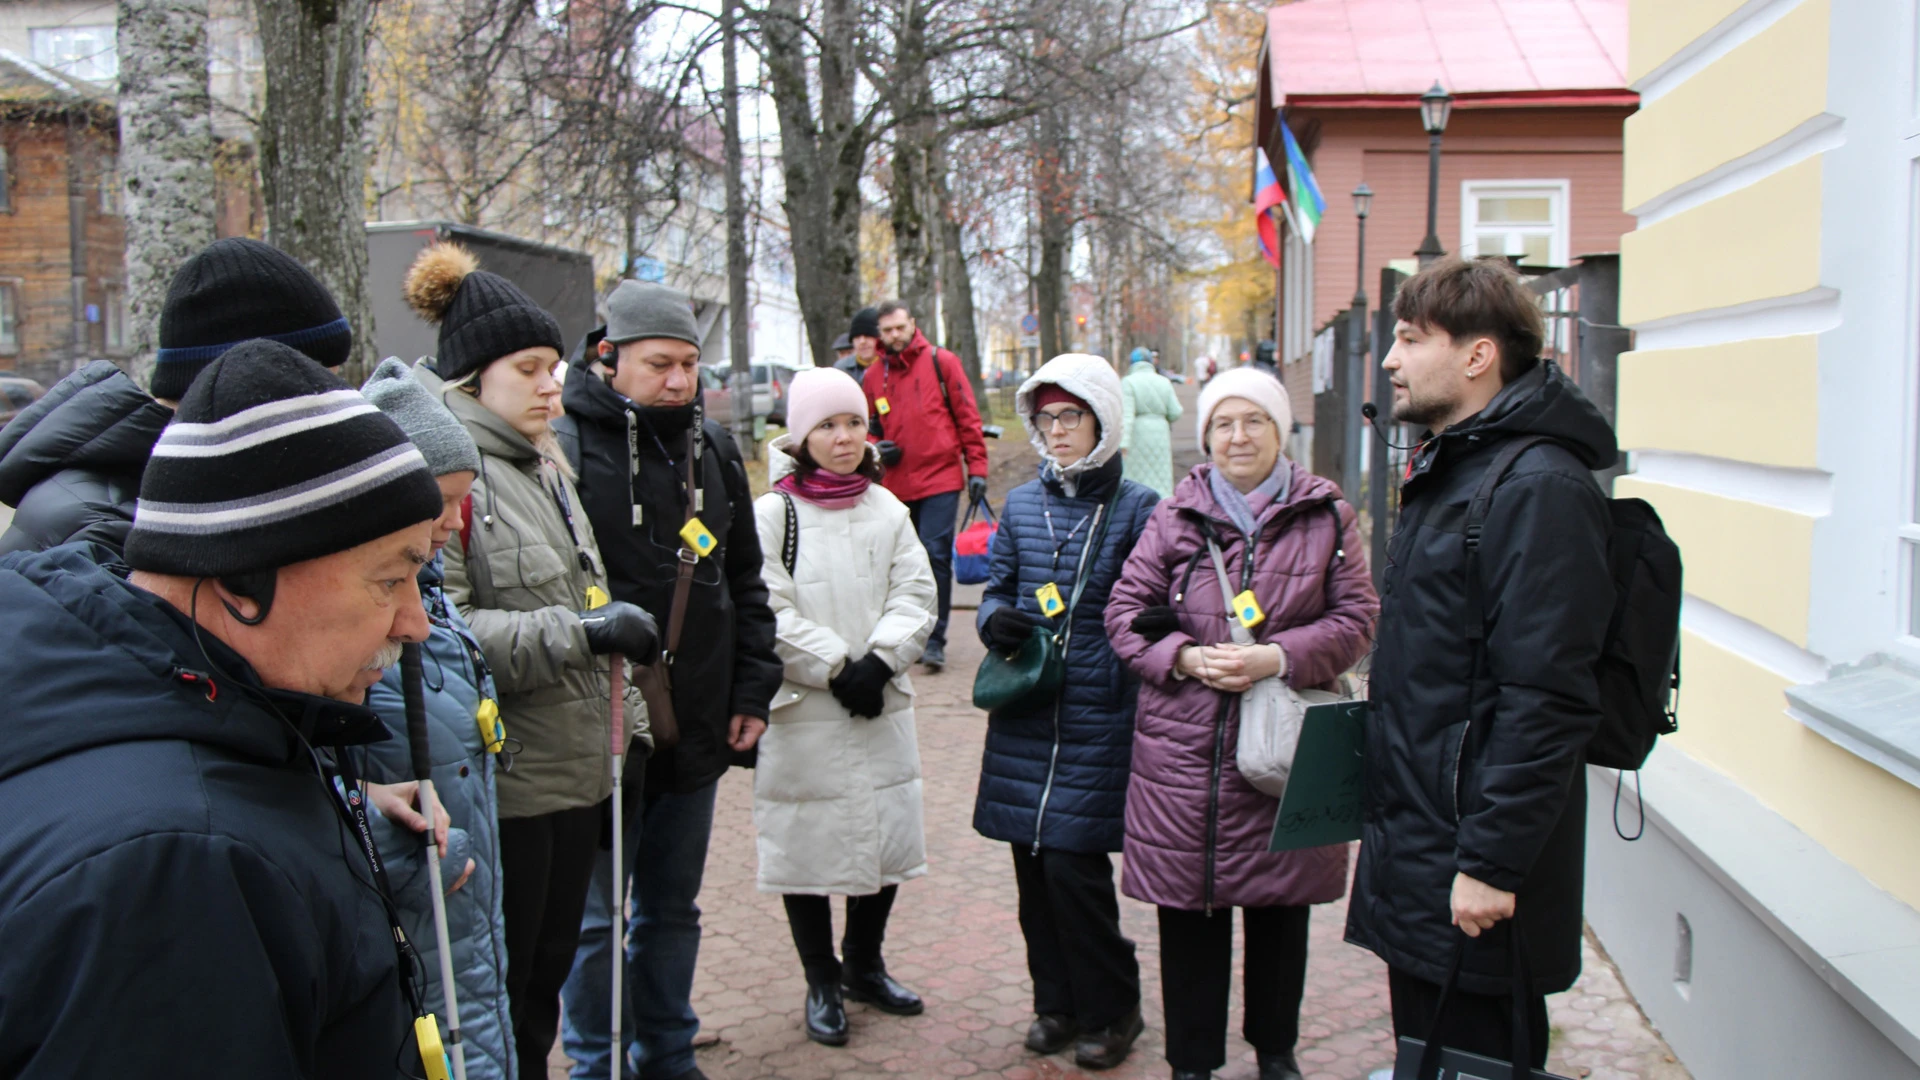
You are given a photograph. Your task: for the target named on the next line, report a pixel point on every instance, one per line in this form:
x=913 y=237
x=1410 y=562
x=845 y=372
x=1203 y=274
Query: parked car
x=770 y=382
x=16 y=393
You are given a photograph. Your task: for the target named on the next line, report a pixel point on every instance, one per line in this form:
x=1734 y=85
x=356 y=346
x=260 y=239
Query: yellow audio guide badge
x=698 y=538
x=433 y=1056
x=1050 y=603
x=597 y=597
x=493 y=730
x=880 y=406
x=1248 y=610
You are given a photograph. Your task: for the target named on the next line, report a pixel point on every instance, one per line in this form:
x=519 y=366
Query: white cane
x=414 y=696
x=617 y=926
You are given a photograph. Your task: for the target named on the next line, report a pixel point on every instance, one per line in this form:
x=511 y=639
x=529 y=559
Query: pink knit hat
x=1253 y=385
x=818 y=393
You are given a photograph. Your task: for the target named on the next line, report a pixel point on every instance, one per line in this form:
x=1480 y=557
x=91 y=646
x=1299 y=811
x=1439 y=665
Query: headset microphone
x=1372 y=414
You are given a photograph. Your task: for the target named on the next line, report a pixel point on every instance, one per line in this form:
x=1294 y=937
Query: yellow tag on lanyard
x=696 y=536
x=433 y=1055
x=597 y=597
x=1050 y=603
x=880 y=406
x=1247 y=609
x=493 y=730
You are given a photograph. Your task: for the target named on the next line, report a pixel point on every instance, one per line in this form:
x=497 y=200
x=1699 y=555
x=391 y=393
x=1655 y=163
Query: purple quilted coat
x=1197 y=832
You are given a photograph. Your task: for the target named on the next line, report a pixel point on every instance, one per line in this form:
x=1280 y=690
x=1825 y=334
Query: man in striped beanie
x=173 y=818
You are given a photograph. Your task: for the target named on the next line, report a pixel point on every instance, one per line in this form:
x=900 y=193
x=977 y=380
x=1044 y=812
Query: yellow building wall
x=1743 y=557
x=1733 y=717
x=1750 y=400
x=1759 y=242
x=1756 y=400
x=1758 y=92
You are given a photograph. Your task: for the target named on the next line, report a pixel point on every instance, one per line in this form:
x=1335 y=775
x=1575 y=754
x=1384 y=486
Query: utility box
x=558 y=279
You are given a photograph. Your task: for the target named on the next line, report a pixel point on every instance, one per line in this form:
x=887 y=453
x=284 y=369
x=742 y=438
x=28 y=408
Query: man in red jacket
x=930 y=441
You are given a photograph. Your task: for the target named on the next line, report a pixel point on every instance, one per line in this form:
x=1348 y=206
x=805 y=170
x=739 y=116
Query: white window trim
x=1559 y=191
x=19 y=287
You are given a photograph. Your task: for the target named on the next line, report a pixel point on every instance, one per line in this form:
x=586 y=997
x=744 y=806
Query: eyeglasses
x=1252 y=426
x=1067 y=419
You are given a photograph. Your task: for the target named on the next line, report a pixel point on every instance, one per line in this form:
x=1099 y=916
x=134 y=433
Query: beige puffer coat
x=836 y=798
x=520 y=573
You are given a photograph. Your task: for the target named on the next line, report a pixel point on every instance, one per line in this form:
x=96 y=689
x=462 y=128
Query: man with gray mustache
x=183 y=888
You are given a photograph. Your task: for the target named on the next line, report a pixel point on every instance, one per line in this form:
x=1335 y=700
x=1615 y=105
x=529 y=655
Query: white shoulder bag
x=1271 y=712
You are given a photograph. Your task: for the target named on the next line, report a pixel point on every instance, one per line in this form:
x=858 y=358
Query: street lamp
x=1354 y=384
x=1436 y=105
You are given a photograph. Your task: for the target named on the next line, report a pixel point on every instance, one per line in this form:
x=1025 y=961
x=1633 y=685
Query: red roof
x=1516 y=50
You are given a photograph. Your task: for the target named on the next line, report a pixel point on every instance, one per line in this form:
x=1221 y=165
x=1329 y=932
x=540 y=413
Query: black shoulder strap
x=1477 y=521
x=790 y=543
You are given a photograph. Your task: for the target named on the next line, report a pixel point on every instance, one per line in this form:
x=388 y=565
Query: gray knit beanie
x=640 y=309
x=442 y=440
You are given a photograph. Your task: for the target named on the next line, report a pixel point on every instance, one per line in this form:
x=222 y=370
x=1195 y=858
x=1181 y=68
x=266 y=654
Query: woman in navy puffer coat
x=1053 y=782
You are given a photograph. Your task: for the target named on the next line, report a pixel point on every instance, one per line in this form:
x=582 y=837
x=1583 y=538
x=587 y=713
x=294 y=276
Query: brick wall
x=36 y=246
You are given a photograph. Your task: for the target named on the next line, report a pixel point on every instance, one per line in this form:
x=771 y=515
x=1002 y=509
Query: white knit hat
x=1254 y=385
x=815 y=394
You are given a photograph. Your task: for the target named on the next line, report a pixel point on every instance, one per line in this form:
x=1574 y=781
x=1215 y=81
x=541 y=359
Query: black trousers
x=1196 y=971
x=1082 y=965
x=546 y=868
x=811 y=920
x=1475 y=1023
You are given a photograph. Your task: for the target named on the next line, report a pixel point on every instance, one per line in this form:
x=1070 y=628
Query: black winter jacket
x=70 y=463
x=726 y=665
x=1474 y=755
x=178 y=894
x=1056 y=773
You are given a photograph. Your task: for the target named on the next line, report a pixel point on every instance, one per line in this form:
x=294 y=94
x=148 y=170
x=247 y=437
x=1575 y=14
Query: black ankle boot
x=878 y=989
x=1050 y=1034
x=1279 y=1067
x=1105 y=1049
x=1192 y=1074
x=826 y=1013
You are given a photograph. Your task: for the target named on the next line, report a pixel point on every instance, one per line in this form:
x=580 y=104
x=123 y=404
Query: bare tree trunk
x=1052 y=193
x=313 y=155
x=166 y=155
x=914 y=134
x=821 y=159
x=956 y=282
x=737 y=344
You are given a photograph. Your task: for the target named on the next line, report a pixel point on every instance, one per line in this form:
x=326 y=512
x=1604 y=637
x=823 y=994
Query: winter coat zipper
x=1066 y=643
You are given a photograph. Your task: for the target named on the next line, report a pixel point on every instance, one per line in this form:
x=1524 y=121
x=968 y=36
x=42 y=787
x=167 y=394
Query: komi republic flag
x=1308 y=203
x=1268 y=196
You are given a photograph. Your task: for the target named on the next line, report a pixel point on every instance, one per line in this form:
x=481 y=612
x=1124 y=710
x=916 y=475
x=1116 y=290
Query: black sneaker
x=1050 y=1034
x=935 y=657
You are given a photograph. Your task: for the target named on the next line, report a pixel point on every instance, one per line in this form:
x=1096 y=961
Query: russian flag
x=1308 y=203
x=1267 y=196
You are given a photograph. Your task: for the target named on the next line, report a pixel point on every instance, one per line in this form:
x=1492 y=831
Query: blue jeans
x=934 y=518
x=669 y=851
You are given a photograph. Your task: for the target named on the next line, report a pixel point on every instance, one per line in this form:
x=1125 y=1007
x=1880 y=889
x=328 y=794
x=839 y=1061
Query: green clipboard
x=1325 y=799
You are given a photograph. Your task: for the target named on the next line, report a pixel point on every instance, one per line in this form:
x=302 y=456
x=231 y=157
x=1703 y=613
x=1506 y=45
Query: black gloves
x=1007 y=629
x=889 y=452
x=1155 y=623
x=861 y=686
x=977 y=488
x=620 y=627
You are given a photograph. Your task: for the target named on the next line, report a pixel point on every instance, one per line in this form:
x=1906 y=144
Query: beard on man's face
x=388 y=656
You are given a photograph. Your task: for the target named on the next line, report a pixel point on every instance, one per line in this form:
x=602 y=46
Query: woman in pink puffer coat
x=1197 y=832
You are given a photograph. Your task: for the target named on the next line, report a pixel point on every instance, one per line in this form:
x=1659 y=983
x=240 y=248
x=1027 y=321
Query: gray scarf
x=1240 y=508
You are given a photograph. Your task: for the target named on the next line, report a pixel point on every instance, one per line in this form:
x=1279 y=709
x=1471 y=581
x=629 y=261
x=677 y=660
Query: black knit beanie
x=866 y=323
x=482 y=316
x=271 y=460
x=235 y=290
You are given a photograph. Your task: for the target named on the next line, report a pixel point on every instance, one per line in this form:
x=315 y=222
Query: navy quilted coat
x=1056 y=777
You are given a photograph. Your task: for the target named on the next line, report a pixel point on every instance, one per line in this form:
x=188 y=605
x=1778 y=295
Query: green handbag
x=1039 y=666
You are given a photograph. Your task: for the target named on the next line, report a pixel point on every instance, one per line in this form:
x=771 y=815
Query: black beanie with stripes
x=271 y=460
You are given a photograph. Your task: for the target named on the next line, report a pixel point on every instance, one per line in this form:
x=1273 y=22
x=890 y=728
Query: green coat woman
x=1148 y=410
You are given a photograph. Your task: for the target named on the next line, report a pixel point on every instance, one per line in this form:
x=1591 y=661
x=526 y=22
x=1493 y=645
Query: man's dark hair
x=804 y=464
x=1481 y=298
x=888 y=307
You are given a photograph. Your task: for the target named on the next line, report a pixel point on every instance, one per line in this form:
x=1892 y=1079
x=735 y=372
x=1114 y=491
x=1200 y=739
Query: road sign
x=1030 y=324
x=647 y=268
x=1029 y=341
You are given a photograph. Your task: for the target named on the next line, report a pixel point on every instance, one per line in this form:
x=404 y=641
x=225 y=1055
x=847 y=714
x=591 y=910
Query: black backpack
x=1639 y=668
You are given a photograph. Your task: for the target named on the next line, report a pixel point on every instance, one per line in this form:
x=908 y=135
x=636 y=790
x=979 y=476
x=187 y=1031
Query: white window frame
x=1558 y=192
x=113 y=317
x=101 y=65
x=6 y=180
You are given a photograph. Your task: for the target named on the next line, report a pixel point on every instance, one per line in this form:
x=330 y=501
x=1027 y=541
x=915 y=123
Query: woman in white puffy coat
x=836 y=792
